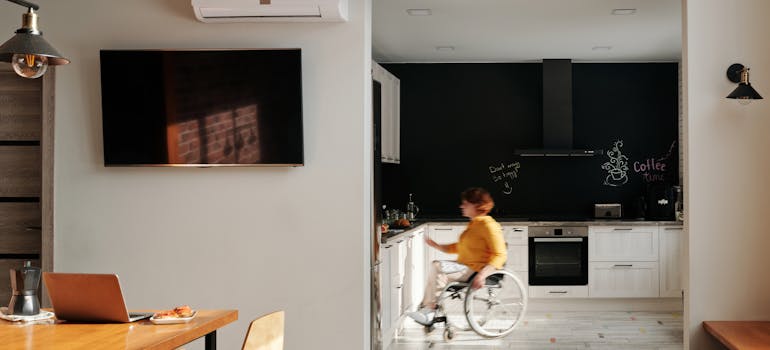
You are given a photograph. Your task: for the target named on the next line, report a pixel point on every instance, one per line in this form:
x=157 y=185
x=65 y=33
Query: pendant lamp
x=27 y=51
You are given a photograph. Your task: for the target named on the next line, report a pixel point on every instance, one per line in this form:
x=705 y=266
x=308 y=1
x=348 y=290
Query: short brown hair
x=480 y=198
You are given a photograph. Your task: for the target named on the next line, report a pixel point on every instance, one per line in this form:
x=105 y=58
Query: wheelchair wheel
x=495 y=309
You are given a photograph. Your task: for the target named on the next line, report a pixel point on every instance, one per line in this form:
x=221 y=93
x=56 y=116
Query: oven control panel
x=558 y=231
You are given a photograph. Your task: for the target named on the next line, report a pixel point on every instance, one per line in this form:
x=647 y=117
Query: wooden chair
x=265 y=333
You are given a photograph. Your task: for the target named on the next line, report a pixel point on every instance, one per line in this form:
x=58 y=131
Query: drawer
x=627 y=279
x=19 y=228
x=558 y=291
x=515 y=235
x=630 y=243
x=445 y=233
x=20 y=171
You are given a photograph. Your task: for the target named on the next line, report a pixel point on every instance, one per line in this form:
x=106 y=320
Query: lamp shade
x=24 y=42
x=745 y=92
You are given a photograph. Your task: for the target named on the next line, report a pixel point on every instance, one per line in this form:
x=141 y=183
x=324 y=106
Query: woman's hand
x=432 y=243
x=481 y=276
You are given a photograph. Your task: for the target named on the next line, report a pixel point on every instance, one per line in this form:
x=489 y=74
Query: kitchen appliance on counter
x=558 y=255
x=607 y=211
x=24 y=283
x=661 y=200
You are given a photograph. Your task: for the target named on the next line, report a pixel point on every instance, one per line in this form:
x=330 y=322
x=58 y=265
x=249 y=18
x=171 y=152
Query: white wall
x=727 y=166
x=252 y=239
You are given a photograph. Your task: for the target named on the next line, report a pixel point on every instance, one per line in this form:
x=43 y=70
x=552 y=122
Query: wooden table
x=740 y=335
x=136 y=335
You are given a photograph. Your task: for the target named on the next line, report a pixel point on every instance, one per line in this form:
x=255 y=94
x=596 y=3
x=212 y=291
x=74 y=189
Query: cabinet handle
x=399 y=241
x=557 y=291
x=518 y=230
x=622 y=229
x=442 y=229
x=399 y=286
x=387 y=246
x=672 y=228
x=623 y=265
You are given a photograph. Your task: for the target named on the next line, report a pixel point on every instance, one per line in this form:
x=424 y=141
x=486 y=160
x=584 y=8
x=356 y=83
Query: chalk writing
x=652 y=169
x=505 y=173
x=616 y=167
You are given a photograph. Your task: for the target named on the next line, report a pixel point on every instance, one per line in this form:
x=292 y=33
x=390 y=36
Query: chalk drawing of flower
x=616 y=167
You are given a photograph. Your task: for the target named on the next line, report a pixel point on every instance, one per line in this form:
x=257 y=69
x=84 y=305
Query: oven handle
x=559 y=240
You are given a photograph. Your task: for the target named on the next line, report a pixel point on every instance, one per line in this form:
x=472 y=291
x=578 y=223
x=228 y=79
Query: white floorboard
x=614 y=330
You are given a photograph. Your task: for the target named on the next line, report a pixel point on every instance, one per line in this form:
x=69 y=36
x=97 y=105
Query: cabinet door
x=518 y=258
x=671 y=261
x=638 y=243
x=386 y=135
x=415 y=285
x=396 y=119
x=515 y=235
x=631 y=279
x=443 y=234
x=385 y=296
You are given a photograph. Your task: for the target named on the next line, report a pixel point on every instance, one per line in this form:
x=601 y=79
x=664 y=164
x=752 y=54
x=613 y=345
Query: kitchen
x=604 y=167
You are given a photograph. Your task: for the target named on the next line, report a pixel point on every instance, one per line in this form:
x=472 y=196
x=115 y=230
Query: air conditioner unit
x=219 y=11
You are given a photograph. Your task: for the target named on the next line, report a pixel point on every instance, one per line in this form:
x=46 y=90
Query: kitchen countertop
x=396 y=234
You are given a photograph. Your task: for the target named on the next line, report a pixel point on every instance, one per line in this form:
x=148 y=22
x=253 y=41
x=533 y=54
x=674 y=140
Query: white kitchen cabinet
x=390 y=102
x=623 y=243
x=558 y=291
x=443 y=234
x=414 y=279
x=386 y=285
x=623 y=262
x=638 y=279
x=671 y=252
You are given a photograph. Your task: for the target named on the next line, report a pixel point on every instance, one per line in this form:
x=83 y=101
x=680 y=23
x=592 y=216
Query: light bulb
x=29 y=65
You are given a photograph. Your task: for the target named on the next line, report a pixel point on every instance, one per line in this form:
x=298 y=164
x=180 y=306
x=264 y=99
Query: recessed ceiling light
x=623 y=12
x=601 y=48
x=445 y=48
x=419 y=12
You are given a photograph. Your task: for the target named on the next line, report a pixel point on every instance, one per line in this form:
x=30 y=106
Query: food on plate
x=385 y=228
x=178 y=312
x=403 y=223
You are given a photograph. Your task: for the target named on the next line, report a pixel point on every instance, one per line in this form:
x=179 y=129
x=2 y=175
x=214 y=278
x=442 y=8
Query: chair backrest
x=265 y=333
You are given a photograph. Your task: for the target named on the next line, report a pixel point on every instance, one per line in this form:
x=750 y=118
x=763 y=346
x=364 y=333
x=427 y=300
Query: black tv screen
x=202 y=107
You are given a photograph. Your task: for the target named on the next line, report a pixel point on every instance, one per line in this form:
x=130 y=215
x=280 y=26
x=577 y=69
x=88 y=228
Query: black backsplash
x=460 y=124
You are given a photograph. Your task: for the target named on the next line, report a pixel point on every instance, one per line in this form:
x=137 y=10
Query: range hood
x=557 y=114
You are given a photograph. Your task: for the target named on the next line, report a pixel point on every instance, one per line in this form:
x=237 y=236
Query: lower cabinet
x=671 y=252
x=637 y=279
x=386 y=284
x=558 y=291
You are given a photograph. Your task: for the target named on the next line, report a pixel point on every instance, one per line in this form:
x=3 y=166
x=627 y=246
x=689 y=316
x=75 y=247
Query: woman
x=481 y=250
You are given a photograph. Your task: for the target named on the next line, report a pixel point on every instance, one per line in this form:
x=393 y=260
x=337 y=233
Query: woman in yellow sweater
x=481 y=250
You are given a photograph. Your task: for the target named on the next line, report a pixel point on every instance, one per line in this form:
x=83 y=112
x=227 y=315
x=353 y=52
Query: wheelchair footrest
x=439 y=319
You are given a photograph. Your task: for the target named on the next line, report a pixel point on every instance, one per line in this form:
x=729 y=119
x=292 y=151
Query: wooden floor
x=563 y=330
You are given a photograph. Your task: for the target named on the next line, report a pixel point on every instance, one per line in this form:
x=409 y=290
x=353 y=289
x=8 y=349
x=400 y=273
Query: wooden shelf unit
x=26 y=173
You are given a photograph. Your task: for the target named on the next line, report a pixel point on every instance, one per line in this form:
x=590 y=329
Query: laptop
x=83 y=297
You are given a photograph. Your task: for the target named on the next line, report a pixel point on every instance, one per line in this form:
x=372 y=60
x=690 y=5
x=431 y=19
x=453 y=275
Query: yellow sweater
x=481 y=244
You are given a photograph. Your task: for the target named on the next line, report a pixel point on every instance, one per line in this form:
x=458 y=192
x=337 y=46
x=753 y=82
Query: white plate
x=172 y=320
x=43 y=315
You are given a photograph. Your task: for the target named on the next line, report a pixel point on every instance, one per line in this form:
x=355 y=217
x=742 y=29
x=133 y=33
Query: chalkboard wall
x=460 y=125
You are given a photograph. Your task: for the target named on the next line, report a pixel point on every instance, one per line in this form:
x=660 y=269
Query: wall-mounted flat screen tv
x=202 y=107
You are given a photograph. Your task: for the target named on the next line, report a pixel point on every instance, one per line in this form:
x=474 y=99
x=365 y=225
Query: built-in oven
x=558 y=255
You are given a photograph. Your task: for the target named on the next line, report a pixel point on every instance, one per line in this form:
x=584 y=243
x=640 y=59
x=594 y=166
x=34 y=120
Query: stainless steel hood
x=557 y=114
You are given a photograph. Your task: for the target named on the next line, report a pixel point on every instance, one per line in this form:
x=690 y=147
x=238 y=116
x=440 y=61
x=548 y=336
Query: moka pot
x=24 y=283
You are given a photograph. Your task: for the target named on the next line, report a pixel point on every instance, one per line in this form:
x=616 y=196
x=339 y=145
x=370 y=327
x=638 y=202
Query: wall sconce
x=737 y=73
x=29 y=54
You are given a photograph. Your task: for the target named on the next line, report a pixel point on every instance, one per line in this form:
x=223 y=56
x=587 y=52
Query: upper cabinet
x=390 y=116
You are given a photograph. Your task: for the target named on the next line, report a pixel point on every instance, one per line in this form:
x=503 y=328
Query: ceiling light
x=623 y=12
x=29 y=54
x=601 y=48
x=419 y=12
x=445 y=48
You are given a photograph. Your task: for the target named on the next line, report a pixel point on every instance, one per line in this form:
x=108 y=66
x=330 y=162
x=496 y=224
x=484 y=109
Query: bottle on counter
x=411 y=209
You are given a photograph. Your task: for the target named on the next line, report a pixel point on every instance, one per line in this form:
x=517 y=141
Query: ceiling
x=526 y=30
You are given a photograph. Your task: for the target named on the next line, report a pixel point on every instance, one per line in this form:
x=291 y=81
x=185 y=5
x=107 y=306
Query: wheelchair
x=492 y=311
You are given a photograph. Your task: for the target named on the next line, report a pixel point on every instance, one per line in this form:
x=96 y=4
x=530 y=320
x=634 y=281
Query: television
x=202 y=107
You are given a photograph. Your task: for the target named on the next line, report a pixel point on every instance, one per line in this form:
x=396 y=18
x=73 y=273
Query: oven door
x=558 y=261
